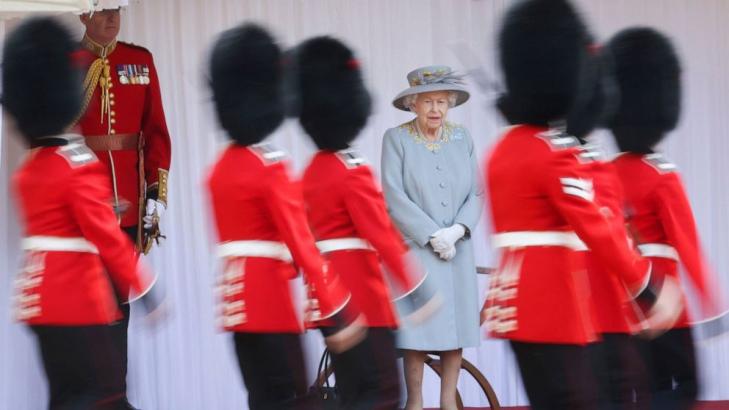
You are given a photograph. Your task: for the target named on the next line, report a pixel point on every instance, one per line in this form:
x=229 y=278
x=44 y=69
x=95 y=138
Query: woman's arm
x=412 y=221
x=471 y=208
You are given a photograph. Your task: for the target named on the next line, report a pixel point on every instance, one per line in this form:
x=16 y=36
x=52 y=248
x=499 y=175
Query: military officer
x=123 y=121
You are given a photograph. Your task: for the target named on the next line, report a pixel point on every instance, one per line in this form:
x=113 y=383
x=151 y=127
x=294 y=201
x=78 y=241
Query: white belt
x=658 y=250
x=255 y=249
x=57 y=244
x=524 y=239
x=342 y=244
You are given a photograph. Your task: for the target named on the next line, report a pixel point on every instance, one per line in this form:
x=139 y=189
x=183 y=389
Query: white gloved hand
x=445 y=238
x=448 y=254
x=152 y=207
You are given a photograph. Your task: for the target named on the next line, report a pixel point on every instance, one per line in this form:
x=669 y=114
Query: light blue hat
x=432 y=78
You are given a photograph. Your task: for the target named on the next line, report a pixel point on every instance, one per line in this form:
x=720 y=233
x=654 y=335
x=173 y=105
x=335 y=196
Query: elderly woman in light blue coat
x=431 y=185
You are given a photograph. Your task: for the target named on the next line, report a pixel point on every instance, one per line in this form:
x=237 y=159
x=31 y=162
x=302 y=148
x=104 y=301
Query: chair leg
x=493 y=400
x=483 y=383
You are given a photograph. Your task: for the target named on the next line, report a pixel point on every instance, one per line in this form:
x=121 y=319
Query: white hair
x=409 y=100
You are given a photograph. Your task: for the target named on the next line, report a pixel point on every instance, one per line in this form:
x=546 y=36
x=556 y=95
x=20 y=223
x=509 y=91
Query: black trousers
x=621 y=373
x=556 y=376
x=367 y=376
x=272 y=365
x=118 y=332
x=82 y=366
x=671 y=360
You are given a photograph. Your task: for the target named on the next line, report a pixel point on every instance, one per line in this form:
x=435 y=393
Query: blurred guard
x=544 y=212
x=618 y=365
x=123 y=122
x=349 y=218
x=76 y=258
x=262 y=228
x=657 y=207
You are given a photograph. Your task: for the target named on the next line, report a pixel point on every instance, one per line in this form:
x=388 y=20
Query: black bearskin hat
x=542 y=47
x=41 y=86
x=245 y=77
x=647 y=71
x=333 y=103
x=600 y=95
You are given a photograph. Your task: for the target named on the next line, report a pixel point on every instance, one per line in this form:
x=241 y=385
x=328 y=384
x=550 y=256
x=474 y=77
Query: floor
x=707 y=405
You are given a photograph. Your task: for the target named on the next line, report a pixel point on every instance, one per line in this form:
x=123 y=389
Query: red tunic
x=614 y=309
x=261 y=223
x=542 y=205
x=343 y=203
x=135 y=108
x=72 y=240
x=661 y=221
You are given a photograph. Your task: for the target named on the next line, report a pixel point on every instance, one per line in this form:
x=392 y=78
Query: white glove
x=445 y=238
x=153 y=207
x=448 y=254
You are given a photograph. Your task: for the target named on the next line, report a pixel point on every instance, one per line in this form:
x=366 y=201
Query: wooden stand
x=434 y=364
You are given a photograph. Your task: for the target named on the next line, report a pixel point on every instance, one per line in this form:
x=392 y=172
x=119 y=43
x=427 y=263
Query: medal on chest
x=135 y=74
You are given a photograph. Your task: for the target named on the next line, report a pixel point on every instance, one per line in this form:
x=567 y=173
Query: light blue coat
x=429 y=186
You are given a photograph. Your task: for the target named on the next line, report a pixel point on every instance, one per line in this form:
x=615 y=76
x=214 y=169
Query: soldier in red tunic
x=656 y=205
x=348 y=216
x=123 y=122
x=262 y=228
x=76 y=257
x=544 y=212
x=618 y=364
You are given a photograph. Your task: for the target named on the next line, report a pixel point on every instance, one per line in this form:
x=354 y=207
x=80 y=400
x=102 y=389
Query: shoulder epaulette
x=267 y=153
x=558 y=140
x=590 y=153
x=76 y=153
x=350 y=158
x=659 y=162
x=135 y=46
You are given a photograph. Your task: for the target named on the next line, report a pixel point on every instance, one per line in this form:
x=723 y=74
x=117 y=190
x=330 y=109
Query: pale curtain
x=187 y=364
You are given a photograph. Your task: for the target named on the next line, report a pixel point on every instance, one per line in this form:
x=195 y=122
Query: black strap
x=323 y=366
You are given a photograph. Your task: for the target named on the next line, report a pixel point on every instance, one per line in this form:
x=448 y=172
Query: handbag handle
x=323 y=366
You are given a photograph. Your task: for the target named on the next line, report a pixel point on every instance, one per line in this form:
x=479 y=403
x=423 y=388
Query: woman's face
x=431 y=108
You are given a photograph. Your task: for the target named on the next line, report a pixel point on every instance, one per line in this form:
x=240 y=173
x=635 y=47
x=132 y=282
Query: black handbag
x=326 y=392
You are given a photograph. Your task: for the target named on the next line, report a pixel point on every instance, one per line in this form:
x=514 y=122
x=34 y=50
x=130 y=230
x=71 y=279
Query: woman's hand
x=448 y=254
x=444 y=239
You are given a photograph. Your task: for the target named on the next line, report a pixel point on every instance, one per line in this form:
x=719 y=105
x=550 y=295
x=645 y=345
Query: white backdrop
x=187 y=364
